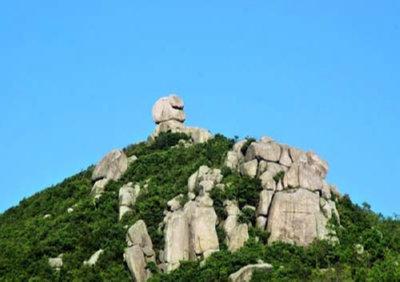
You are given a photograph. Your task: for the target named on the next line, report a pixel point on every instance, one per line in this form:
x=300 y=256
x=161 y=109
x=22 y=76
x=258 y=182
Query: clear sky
x=79 y=78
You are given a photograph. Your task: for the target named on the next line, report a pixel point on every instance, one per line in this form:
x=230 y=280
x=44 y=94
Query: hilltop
x=189 y=205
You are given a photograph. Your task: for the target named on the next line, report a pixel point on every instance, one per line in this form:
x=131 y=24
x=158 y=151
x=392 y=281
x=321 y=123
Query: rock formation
x=111 y=167
x=168 y=115
x=127 y=198
x=296 y=202
x=236 y=233
x=139 y=251
x=190 y=230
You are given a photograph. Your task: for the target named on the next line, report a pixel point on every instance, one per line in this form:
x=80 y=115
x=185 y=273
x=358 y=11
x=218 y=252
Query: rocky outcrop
x=169 y=116
x=94 y=258
x=296 y=202
x=236 y=233
x=245 y=273
x=139 y=251
x=190 y=230
x=111 y=167
x=127 y=198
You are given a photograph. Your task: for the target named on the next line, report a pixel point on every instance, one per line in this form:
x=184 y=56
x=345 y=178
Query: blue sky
x=78 y=78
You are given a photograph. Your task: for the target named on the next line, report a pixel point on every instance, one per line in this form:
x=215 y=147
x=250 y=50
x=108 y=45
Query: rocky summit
x=189 y=205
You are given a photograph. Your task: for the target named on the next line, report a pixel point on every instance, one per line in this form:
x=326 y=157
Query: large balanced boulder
x=168 y=108
x=169 y=116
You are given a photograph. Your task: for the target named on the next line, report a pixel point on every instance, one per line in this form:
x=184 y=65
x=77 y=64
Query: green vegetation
x=27 y=239
x=321 y=261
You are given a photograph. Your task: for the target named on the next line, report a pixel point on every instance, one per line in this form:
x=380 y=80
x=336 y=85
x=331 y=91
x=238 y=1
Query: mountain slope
x=190 y=206
x=27 y=239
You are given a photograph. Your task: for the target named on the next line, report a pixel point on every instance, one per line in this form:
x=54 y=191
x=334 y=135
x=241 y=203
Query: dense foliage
x=27 y=239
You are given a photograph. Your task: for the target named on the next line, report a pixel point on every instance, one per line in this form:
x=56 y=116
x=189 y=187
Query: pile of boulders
x=296 y=202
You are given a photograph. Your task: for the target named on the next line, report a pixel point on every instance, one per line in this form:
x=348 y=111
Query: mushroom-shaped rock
x=111 y=167
x=168 y=108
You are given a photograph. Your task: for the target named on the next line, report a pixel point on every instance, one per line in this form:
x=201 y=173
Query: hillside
x=224 y=198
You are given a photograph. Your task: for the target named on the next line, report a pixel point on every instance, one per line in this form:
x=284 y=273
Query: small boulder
x=94 y=258
x=245 y=273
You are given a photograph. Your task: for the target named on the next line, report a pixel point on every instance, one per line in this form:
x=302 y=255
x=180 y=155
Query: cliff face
x=189 y=205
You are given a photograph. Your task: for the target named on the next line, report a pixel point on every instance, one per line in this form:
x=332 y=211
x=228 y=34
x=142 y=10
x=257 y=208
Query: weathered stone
x=249 y=168
x=232 y=160
x=285 y=157
x=203 y=235
x=168 y=108
x=326 y=191
x=198 y=135
x=204 y=173
x=266 y=139
x=204 y=201
x=56 y=263
x=261 y=222
x=291 y=177
x=238 y=237
x=175 y=203
x=94 y=258
x=127 y=195
x=297 y=155
x=309 y=178
x=176 y=234
x=136 y=262
x=138 y=235
x=265 y=151
x=318 y=164
x=262 y=167
x=111 y=167
x=99 y=186
x=206 y=186
x=293 y=217
x=123 y=210
x=236 y=234
x=265 y=202
x=245 y=273
x=267 y=178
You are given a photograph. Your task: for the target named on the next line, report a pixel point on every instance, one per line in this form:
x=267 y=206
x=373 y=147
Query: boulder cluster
x=169 y=116
x=296 y=202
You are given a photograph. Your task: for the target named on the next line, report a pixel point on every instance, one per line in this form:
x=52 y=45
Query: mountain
x=186 y=205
